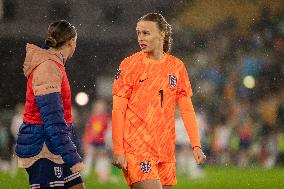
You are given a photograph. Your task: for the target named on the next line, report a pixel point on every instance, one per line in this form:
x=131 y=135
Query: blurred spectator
x=186 y=164
x=16 y=121
x=94 y=142
x=221 y=141
x=280 y=136
x=245 y=132
x=78 y=128
x=4 y=140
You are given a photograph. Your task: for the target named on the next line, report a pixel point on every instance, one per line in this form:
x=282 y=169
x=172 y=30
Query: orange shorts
x=140 y=168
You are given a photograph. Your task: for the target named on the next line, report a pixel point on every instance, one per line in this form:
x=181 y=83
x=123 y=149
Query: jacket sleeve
x=46 y=86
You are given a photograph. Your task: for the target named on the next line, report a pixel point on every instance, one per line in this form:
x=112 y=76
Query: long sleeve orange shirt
x=146 y=93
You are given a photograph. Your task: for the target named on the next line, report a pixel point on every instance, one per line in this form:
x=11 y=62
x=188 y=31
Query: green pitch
x=215 y=177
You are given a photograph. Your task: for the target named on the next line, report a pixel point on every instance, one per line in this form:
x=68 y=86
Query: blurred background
x=233 y=51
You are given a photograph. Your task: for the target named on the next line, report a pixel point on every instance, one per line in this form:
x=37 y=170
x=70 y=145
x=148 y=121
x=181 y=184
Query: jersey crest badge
x=172 y=80
x=117 y=74
x=58 y=171
x=145 y=166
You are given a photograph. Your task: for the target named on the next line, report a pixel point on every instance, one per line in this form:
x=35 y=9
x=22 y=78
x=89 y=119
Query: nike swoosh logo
x=141 y=80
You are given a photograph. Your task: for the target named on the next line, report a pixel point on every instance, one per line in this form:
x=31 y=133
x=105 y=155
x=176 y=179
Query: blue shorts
x=47 y=174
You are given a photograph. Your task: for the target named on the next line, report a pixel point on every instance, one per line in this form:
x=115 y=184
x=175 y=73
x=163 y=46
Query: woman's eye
x=145 y=33
x=142 y=33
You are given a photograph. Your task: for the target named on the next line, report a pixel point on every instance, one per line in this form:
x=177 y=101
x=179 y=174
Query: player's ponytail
x=59 y=33
x=163 y=26
x=168 y=39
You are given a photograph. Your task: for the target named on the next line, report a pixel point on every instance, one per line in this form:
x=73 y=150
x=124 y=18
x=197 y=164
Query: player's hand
x=198 y=155
x=77 y=167
x=119 y=161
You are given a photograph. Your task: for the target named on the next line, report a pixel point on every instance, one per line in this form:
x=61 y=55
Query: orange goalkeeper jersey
x=152 y=89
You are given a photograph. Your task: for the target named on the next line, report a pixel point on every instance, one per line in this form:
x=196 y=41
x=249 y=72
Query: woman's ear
x=73 y=41
x=70 y=42
x=163 y=34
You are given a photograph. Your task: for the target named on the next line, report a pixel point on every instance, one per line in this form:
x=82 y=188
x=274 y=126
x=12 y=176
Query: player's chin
x=145 y=50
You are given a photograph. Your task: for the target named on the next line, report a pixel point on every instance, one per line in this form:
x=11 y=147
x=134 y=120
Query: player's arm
x=184 y=93
x=118 y=119
x=122 y=88
x=189 y=119
x=46 y=83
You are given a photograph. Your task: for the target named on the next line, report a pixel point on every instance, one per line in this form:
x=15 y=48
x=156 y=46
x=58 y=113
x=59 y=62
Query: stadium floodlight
x=249 y=82
x=82 y=98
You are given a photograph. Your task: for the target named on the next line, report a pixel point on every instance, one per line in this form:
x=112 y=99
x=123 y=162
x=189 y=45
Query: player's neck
x=62 y=52
x=156 y=55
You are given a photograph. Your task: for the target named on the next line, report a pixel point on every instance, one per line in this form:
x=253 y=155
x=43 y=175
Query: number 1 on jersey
x=161 y=96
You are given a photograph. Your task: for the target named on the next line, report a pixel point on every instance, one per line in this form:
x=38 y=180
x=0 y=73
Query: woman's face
x=150 y=38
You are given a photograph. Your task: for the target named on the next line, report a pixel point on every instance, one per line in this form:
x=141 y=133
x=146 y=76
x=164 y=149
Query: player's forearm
x=118 y=120
x=189 y=119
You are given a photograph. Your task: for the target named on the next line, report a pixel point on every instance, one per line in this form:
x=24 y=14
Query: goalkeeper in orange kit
x=147 y=87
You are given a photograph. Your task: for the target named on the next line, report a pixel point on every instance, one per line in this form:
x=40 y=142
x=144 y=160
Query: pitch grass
x=215 y=177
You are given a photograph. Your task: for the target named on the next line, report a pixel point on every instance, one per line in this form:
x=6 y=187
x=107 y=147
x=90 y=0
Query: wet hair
x=163 y=26
x=59 y=33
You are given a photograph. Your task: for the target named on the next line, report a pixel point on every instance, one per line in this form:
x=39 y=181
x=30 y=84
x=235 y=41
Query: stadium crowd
x=238 y=82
